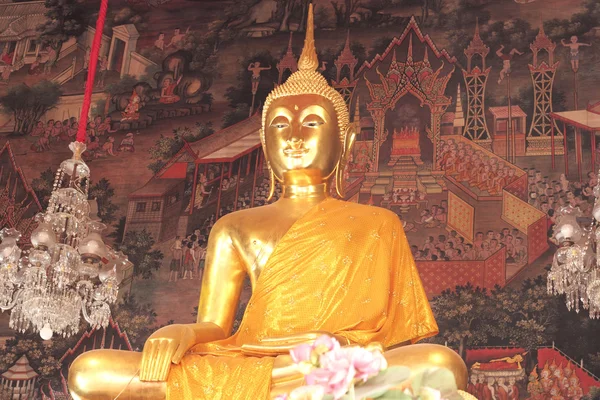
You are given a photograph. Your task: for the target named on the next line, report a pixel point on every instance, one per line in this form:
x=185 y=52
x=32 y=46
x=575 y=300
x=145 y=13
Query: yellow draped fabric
x=343 y=268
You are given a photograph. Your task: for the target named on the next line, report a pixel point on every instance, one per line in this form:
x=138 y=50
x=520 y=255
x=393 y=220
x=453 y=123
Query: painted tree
x=103 y=193
x=119 y=233
x=42 y=186
x=166 y=147
x=137 y=245
x=343 y=10
x=461 y=316
x=136 y=319
x=42 y=357
x=527 y=317
x=64 y=19
x=28 y=104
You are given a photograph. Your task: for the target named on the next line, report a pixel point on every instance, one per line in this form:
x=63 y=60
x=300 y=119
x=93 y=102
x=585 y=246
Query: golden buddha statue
x=316 y=264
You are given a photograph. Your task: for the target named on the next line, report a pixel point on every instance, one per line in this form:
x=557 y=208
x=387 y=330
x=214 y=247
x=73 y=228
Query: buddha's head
x=305 y=123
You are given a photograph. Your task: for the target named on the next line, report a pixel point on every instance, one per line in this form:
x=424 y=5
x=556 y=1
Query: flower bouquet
x=332 y=372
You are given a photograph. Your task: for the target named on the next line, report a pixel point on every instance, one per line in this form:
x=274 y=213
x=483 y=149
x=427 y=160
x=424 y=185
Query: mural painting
x=476 y=120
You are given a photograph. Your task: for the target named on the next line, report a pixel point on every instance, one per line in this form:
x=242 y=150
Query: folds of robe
x=343 y=268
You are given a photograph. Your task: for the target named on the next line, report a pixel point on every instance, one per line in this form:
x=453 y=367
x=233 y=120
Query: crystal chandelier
x=575 y=270
x=68 y=271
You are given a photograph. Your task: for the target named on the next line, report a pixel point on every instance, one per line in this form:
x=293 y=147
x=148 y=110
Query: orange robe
x=501 y=393
x=366 y=289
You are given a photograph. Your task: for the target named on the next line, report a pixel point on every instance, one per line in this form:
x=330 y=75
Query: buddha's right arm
x=221 y=287
x=222 y=280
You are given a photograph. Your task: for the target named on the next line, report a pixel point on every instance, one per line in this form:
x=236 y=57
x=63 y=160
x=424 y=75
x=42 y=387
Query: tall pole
x=237 y=185
x=194 y=194
x=576 y=90
x=552 y=139
x=578 y=143
x=509 y=131
x=593 y=148
x=254 y=179
x=220 y=190
x=252 y=106
x=566 y=149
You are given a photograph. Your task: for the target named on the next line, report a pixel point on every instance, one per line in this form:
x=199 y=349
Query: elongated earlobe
x=272 y=182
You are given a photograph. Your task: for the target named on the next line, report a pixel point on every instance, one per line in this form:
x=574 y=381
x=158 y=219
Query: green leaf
x=440 y=379
x=382 y=383
x=394 y=395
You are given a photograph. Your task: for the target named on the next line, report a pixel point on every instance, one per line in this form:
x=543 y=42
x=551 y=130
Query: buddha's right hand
x=169 y=344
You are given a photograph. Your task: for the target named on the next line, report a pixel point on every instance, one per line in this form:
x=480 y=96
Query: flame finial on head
x=308 y=60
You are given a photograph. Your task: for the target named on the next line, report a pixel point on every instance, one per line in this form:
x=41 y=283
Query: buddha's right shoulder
x=240 y=219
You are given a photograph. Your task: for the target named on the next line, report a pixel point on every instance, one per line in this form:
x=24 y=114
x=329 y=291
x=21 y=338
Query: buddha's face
x=301 y=132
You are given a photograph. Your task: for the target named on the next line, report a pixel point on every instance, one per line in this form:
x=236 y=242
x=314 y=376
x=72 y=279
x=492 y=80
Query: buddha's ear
x=349 y=140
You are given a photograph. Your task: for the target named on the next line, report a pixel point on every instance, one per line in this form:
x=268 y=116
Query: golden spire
x=308 y=60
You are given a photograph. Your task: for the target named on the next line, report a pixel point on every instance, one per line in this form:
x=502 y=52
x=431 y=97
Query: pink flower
x=301 y=353
x=282 y=397
x=367 y=363
x=336 y=373
x=326 y=342
x=326 y=364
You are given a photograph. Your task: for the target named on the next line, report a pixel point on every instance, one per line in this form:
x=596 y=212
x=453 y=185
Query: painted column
x=195 y=185
x=220 y=190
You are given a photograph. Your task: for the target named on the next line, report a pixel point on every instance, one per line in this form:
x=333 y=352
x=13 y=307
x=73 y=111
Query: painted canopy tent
x=587 y=120
x=196 y=182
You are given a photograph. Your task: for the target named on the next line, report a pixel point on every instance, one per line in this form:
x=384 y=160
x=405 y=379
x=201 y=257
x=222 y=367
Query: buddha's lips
x=295 y=153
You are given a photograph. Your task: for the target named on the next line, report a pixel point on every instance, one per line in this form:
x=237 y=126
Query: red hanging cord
x=91 y=74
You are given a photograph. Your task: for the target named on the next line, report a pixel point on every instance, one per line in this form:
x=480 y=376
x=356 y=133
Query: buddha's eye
x=312 y=124
x=280 y=125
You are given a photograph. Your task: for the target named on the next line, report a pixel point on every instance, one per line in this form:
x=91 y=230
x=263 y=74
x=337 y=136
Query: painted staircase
x=383 y=184
x=427 y=183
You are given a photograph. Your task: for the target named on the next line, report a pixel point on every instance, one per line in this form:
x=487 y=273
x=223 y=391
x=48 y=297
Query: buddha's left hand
x=168 y=345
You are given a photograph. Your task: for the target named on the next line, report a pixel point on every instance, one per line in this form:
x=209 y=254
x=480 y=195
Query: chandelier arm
x=86 y=316
x=14 y=302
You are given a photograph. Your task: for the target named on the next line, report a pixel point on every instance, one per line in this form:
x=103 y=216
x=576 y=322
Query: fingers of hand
x=186 y=341
x=156 y=359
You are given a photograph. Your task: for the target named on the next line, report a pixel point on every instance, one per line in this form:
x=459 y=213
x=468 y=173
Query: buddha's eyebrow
x=280 y=111
x=315 y=109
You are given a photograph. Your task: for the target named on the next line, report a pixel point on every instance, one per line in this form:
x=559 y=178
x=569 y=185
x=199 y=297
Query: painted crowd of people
x=555 y=382
x=489 y=388
x=453 y=247
x=474 y=168
x=99 y=142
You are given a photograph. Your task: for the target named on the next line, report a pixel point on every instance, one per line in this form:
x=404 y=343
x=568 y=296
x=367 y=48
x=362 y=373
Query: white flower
x=430 y=394
x=314 y=392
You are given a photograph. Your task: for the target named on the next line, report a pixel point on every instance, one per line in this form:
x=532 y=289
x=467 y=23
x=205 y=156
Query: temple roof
x=155 y=187
x=20 y=20
x=20 y=371
x=412 y=27
x=196 y=151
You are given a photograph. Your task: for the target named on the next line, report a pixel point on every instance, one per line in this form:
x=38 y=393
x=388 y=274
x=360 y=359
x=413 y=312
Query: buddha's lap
x=91 y=373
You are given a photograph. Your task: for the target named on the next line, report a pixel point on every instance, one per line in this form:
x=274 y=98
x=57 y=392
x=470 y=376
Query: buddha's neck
x=306 y=184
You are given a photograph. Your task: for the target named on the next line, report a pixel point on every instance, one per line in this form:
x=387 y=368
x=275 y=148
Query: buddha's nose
x=295 y=143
